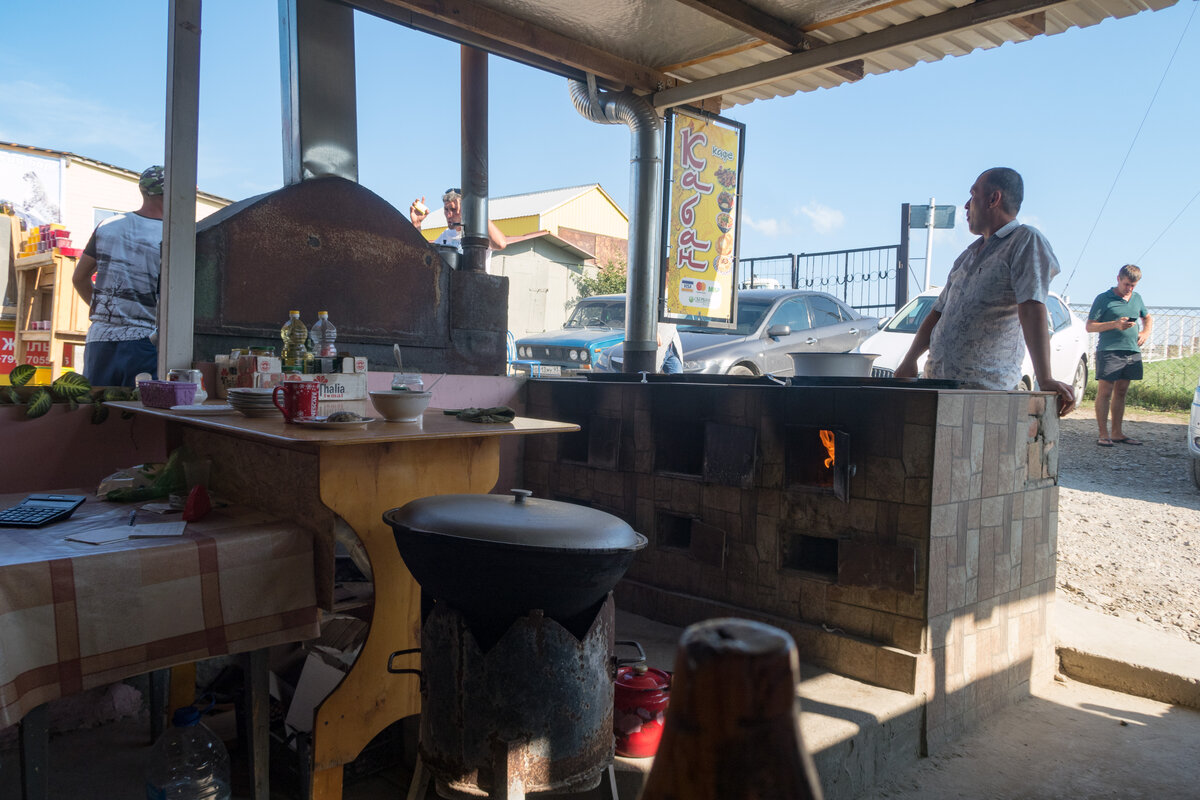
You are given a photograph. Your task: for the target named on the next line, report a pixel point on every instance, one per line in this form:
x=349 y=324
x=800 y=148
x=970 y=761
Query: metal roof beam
x=749 y=19
x=470 y=23
x=825 y=56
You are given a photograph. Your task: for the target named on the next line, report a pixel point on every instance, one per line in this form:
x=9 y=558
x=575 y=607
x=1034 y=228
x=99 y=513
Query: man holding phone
x=1114 y=315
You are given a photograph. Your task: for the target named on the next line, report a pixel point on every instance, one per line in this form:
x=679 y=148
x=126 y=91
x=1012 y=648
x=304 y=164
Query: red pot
x=640 y=698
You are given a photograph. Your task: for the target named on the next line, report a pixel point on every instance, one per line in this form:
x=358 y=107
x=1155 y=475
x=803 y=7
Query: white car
x=1068 y=342
x=1194 y=436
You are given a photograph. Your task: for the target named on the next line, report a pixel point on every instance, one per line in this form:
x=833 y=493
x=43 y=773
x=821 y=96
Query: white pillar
x=176 y=307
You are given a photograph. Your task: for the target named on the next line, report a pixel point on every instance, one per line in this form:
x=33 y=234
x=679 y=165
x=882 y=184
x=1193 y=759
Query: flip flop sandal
x=1104 y=443
x=1126 y=440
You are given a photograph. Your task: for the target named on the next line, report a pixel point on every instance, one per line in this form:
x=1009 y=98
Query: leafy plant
x=39 y=403
x=22 y=374
x=71 y=388
x=610 y=279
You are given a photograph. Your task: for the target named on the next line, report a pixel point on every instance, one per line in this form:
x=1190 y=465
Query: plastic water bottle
x=294 y=333
x=324 y=335
x=188 y=762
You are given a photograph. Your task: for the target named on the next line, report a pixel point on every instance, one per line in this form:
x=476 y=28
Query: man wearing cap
x=452 y=236
x=125 y=257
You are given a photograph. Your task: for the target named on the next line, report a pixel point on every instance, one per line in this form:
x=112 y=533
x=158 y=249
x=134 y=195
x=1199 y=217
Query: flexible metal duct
x=645 y=188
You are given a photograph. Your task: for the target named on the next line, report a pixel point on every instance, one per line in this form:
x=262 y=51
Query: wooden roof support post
x=176 y=306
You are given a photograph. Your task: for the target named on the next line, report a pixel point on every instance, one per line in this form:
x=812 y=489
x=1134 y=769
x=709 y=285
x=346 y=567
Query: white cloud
x=824 y=219
x=767 y=227
x=58 y=118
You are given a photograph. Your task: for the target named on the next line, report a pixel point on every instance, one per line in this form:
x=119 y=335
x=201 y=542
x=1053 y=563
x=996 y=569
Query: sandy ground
x=1129 y=522
x=1129 y=546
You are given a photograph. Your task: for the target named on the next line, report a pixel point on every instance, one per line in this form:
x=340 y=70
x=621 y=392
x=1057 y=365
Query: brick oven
x=903 y=533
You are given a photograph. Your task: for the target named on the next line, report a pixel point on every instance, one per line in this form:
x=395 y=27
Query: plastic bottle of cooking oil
x=294 y=333
x=324 y=335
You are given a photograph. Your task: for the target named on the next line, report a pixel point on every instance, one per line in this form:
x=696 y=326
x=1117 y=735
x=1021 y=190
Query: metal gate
x=872 y=280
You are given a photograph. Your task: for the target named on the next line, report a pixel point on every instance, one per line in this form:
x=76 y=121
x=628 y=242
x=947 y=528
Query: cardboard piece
x=323 y=671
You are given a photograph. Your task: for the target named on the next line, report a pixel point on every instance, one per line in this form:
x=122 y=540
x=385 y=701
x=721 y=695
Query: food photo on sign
x=702 y=216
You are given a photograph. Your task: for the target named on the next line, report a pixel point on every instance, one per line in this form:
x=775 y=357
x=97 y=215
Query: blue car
x=596 y=323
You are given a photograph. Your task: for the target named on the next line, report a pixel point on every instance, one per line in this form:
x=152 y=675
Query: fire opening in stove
x=818 y=460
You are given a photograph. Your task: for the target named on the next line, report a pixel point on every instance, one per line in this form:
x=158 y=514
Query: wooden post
x=732 y=730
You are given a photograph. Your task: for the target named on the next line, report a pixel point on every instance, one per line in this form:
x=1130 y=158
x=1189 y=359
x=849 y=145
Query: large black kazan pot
x=495 y=558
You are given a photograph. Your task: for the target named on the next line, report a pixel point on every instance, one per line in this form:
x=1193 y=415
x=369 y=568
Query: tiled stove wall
x=935 y=576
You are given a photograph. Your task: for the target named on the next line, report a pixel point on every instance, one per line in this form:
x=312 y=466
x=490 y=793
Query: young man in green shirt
x=1114 y=315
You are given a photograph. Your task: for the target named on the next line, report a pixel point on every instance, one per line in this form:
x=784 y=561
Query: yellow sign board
x=700 y=263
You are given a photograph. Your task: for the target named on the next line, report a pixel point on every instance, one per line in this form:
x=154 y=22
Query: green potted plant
x=71 y=389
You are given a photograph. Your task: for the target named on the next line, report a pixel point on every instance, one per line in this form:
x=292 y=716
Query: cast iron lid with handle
x=496 y=558
x=519 y=520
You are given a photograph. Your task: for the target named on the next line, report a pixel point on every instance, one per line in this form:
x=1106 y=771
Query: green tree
x=610 y=279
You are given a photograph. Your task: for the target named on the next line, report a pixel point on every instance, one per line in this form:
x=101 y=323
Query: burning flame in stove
x=827 y=440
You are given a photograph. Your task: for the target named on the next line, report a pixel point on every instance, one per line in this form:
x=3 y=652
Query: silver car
x=771 y=323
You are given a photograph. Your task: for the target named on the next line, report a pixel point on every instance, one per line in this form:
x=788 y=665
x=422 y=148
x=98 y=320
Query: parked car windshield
x=598 y=315
x=912 y=315
x=749 y=317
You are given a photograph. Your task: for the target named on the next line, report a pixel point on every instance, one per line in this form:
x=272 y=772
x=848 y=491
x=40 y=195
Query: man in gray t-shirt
x=994 y=297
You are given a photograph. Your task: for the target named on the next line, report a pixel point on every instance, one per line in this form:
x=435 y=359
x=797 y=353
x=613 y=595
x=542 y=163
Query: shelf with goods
x=51 y=317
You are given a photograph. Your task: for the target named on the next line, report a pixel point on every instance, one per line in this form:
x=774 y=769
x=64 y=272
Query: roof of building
x=523 y=205
x=125 y=173
x=562 y=244
x=723 y=54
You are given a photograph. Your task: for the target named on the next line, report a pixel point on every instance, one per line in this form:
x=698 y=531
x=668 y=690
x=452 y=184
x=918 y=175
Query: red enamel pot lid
x=649 y=680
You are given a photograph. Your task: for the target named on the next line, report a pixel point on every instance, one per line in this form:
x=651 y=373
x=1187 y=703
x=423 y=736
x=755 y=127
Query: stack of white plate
x=253 y=402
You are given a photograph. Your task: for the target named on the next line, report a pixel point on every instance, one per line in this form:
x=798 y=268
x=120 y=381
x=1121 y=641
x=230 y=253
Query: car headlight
x=523 y=352
x=700 y=366
x=583 y=356
x=573 y=355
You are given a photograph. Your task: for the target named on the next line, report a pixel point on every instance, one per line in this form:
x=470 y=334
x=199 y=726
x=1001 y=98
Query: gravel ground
x=1129 y=522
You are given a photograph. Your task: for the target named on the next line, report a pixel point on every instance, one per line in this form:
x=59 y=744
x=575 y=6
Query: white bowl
x=833 y=365
x=400 y=406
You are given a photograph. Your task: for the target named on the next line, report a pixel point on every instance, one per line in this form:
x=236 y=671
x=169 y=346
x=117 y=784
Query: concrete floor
x=1071 y=740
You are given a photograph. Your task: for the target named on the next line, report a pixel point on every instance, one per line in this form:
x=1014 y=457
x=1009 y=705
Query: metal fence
x=864 y=278
x=1174 y=337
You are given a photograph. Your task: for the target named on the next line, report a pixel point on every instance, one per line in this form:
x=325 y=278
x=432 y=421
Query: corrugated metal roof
x=1058 y=18
x=687 y=51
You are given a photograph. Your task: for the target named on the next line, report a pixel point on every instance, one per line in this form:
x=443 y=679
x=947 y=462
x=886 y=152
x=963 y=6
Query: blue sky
x=823 y=170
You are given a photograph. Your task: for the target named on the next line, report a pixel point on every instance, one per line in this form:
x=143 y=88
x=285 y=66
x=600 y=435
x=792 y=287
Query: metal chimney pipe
x=646 y=172
x=320 y=114
x=474 y=144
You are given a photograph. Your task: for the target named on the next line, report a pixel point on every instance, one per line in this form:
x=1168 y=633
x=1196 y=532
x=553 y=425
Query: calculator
x=40 y=509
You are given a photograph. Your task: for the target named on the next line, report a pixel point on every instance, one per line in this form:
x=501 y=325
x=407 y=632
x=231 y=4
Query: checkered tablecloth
x=74 y=616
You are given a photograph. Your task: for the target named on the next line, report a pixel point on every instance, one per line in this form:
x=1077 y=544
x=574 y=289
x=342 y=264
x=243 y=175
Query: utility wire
x=1129 y=152
x=1169 y=224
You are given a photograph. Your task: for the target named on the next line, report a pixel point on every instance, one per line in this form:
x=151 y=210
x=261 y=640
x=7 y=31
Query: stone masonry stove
x=902 y=533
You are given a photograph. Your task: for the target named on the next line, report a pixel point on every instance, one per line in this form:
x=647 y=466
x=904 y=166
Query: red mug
x=299 y=399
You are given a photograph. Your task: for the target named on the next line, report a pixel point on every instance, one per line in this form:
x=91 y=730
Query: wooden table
x=74 y=616
x=331 y=480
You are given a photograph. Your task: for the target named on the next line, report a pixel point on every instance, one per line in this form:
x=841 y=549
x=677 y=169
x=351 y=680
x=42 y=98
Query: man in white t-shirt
x=125 y=256
x=452 y=236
